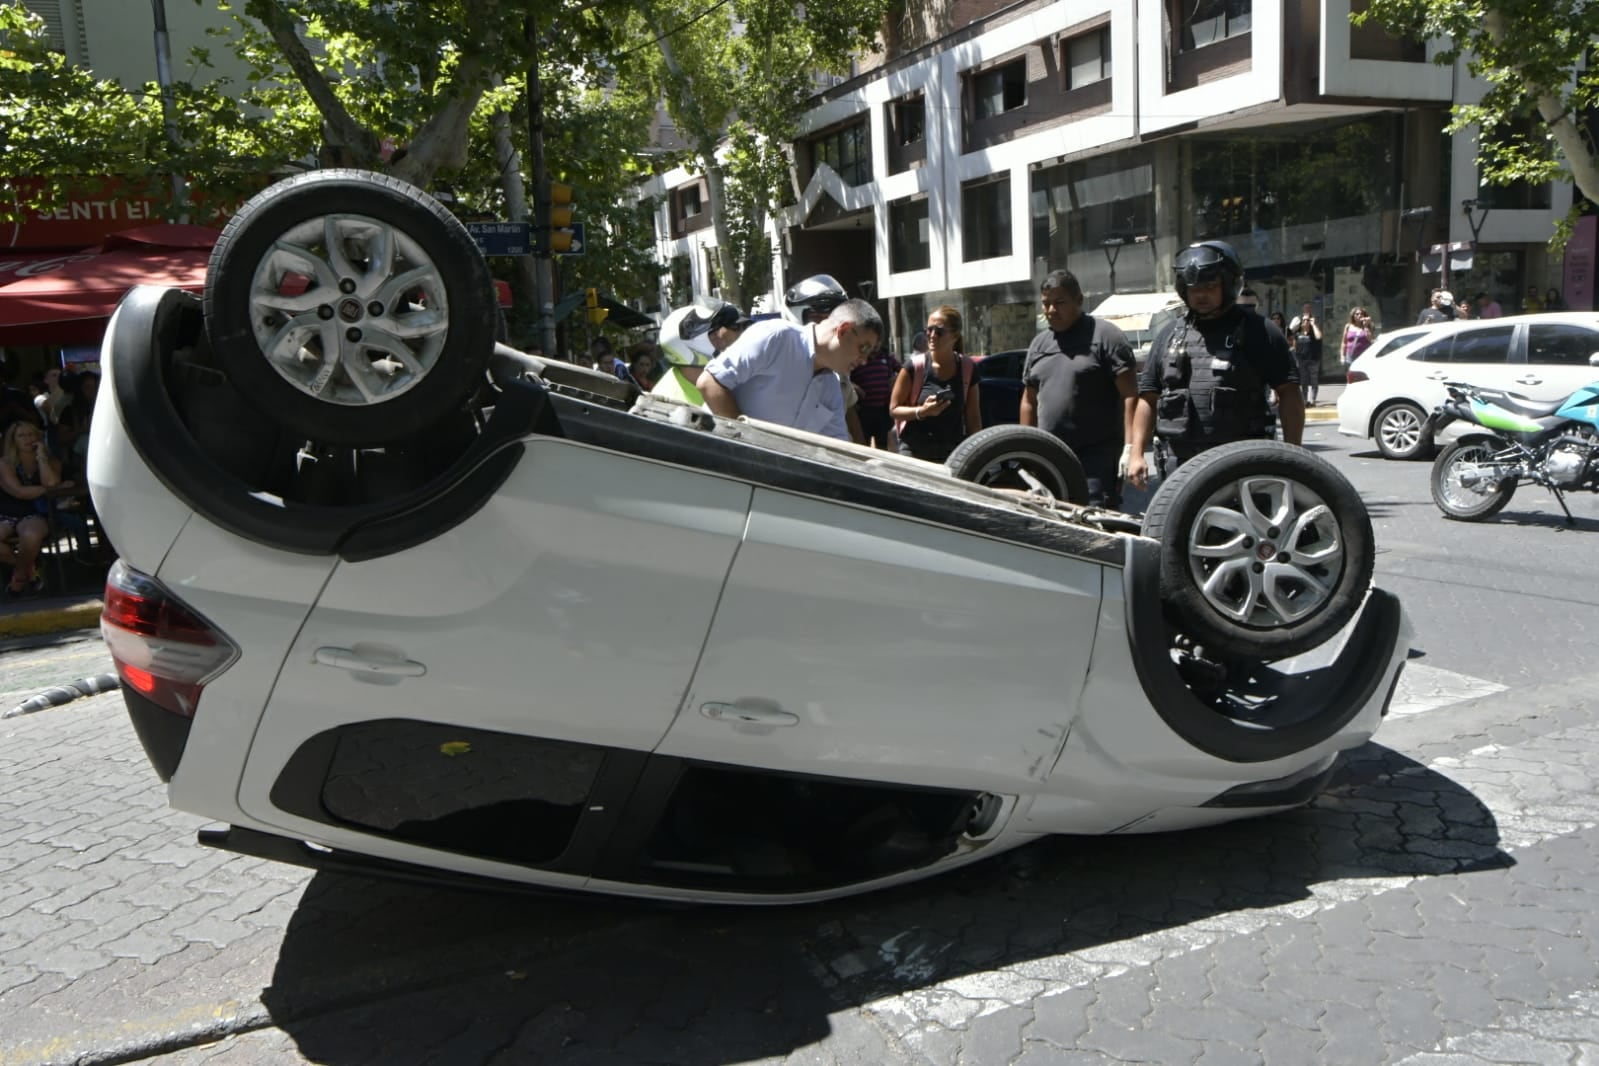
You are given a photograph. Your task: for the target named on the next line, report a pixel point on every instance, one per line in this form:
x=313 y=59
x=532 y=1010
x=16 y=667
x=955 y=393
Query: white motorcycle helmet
x=815 y=297
x=685 y=336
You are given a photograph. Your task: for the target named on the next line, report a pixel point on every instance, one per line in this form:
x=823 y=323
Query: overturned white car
x=397 y=599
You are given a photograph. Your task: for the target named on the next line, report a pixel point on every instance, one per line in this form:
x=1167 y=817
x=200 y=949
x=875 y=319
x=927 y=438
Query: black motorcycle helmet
x=815 y=297
x=1207 y=261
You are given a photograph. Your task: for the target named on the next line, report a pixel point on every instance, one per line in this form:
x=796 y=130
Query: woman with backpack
x=934 y=403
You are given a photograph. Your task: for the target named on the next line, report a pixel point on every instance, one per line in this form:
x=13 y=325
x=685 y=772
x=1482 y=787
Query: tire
x=1217 y=513
x=313 y=360
x=1400 y=432
x=999 y=455
x=1456 y=500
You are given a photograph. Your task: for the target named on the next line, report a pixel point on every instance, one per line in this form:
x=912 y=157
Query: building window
x=1077 y=207
x=1002 y=89
x=1202 y=22
x=985 y=219
x=689 y=204
x=910 y=116
x=1086 y=58
x=1277 y=176
x=846 y=151
x=909 y=244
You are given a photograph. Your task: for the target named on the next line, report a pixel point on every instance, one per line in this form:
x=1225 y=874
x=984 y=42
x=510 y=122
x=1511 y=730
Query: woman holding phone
x=934 y=402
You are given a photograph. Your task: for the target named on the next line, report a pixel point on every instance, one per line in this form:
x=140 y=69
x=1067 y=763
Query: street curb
x=60 y=618
x=1319 y=415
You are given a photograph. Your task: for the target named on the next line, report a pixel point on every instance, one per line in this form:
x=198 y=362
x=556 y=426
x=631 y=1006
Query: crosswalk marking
x=1426 y=688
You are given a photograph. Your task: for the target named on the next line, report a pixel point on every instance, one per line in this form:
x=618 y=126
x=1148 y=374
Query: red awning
x=71 y=303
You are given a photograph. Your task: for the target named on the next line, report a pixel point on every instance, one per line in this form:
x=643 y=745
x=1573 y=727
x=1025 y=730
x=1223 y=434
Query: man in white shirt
x=793 y=374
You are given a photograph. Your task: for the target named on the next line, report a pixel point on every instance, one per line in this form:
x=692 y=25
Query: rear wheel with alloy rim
x=1021 y=457
x=1401 y=432
x=350 y=306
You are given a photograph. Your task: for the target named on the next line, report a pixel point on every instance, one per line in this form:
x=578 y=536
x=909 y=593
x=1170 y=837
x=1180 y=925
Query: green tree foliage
x=405 y=86
x=1533 y=57
x=736 y=76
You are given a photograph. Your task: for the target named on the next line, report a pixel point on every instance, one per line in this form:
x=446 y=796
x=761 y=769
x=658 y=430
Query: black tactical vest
x=1211 y=395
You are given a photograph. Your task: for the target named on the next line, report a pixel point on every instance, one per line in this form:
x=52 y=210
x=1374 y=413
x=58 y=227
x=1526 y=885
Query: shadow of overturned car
x=386 y=972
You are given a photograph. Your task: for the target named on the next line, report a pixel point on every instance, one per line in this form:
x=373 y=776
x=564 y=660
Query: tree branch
x=340 y=125
x=1557 y=117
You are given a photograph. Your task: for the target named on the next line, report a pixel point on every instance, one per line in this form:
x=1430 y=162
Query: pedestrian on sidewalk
x=1305 y=334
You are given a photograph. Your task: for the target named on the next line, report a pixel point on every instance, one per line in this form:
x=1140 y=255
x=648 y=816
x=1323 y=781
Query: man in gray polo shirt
x=1078 y=383
x=791 y=374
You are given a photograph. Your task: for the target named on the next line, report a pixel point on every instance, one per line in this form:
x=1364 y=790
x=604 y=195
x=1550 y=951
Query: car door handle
x=359 y=663
x=1440 y=376
x=1529 y=380
x=748 y=714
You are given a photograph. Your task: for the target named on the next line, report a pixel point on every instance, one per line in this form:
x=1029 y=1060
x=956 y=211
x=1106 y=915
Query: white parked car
x=394 y=599
x=1394 y=386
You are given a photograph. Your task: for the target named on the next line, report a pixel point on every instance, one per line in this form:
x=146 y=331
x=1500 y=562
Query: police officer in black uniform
x=1207 y=374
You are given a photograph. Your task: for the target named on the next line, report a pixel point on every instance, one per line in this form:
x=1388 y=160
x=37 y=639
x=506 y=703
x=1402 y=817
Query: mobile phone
x=944 y=395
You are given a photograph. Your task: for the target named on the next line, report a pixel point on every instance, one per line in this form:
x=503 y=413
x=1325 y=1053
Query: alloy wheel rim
x=1010 y=467
x=1266 y=551
x=1401 y=430
x=349 y=310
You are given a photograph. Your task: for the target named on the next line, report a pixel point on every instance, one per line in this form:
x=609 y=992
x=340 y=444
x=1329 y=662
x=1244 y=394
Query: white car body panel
x=128 y=496
x=605 y=574
x=888 y=646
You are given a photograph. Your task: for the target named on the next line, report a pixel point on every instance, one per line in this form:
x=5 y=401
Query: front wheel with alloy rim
x=1466 y=483
x=1021 y=457
x=1266 y=550
x=351 y=306
x=1401 y=432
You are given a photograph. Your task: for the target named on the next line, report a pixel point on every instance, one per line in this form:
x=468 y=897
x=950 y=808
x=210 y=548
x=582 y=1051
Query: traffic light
x=596 y=313
x=552 y=222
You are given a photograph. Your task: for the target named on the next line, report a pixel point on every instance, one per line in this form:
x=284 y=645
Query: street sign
x=579 y=239
x=503 y=238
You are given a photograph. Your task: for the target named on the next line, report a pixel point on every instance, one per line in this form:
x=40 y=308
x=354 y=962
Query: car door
x=855 y=643
x=1557 y=360
x=571 y=608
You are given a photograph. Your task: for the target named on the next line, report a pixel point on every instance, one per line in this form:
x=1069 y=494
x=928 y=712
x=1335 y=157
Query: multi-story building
x=1104 y=135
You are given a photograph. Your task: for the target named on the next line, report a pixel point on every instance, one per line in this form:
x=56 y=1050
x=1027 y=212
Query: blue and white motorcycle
x=1555 y=445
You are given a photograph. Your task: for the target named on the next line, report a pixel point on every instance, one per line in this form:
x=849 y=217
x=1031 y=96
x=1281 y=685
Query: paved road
x=1437 y=906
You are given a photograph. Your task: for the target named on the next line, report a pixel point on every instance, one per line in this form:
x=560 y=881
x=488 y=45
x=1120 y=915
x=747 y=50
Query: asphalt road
x=1439 y=905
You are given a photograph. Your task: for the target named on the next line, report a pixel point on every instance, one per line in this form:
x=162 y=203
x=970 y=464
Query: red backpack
x=918 y=368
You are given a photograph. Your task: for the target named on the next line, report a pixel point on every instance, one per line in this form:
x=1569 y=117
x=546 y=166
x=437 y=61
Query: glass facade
x=909 y=247
x=1091 y=213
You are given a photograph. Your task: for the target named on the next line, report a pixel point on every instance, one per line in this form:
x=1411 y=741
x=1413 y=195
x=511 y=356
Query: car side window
x=1435 y=352
x=1483 y=345
x=1560 y=344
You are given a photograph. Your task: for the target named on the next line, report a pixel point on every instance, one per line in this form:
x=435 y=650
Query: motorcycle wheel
x=1266 y=550
x=1467 y=503
x=351 y=307
x=1014 y=457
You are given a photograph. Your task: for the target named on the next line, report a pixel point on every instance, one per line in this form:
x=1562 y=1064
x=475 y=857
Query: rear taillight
x=162 y=649
x=1354 y=376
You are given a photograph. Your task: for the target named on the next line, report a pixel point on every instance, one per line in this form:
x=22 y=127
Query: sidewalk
x=44 y=615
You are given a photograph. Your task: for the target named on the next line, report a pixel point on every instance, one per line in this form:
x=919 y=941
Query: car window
x=1491 y=345
x=1434 y=352
x=1560 y=344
